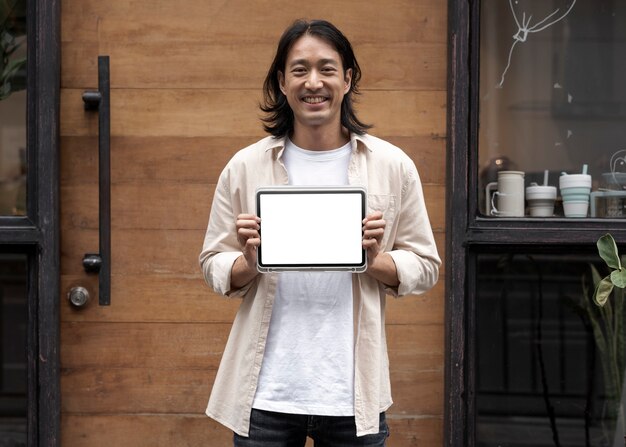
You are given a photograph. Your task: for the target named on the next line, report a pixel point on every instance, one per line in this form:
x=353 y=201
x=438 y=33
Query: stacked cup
x=540 y=200
x=575 y=189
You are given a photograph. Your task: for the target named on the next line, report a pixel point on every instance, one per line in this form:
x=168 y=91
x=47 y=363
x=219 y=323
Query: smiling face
x=314 y=83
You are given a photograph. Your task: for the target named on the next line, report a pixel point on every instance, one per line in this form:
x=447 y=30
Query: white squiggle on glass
x=524 y=28
x=618 y=166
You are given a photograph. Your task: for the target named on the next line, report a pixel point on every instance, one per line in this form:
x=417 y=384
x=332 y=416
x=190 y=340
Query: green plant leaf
x=618 y=278
x=9 y=82
x=603 y=291
x=595 y=275
x=608 y=251
x=13 y=67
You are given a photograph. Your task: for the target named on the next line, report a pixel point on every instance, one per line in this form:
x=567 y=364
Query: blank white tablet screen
x=311 y=228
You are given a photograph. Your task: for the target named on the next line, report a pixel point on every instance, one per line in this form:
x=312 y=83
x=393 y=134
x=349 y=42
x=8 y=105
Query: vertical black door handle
x=101 y=262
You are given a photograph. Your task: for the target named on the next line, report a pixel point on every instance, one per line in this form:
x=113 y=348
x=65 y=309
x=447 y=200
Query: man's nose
x=313 y=81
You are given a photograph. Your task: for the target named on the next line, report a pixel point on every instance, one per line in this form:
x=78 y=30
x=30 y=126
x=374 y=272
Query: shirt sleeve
x=414 y=251
x=220 y=248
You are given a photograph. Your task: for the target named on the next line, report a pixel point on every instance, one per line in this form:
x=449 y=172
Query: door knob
x=78 y=296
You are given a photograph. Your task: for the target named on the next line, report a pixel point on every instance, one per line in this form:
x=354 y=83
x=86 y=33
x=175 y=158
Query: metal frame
x=37 y=234
x=100 y=101
x=455 y=425
x=466 y=233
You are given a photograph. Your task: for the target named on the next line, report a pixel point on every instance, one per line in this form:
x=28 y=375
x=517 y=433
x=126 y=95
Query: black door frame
x=37 y=234
x=466 y=232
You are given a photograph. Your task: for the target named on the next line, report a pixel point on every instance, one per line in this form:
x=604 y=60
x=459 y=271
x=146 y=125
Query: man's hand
x=244 y=268
x=248 y=236
x=373 y=231
x=380 y=265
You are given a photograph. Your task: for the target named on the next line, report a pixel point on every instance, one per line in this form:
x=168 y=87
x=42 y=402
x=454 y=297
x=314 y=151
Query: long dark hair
x=279 y=119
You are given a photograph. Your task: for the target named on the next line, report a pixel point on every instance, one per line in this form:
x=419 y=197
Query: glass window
x=13 y=107
x=552 y=98
x=550 y=362
x=13 y=371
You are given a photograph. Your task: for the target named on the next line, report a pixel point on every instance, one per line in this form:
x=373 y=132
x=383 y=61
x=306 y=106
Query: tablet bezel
x=329 y=266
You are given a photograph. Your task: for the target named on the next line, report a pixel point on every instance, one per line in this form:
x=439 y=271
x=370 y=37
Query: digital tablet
x=311 y=228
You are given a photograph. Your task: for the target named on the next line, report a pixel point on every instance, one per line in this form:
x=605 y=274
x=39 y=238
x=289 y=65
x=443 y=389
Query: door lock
x=78 y=296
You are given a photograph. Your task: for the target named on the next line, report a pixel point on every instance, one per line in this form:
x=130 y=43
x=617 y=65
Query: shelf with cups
x=540 y=214
x=507 y=197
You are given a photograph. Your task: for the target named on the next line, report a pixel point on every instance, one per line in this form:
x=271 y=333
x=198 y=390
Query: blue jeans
x=269 y=429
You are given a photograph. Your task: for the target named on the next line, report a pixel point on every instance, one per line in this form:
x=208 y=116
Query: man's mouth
x=314 y=99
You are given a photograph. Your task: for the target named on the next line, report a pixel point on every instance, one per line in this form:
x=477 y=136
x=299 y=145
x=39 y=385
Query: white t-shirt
x=308 y=365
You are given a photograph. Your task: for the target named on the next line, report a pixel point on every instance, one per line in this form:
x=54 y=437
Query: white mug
x=510 y=193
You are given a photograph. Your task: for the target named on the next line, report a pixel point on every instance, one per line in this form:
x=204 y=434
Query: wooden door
x=185 y=85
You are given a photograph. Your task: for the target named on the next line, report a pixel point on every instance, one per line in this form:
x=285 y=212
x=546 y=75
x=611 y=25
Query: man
x=307 y=354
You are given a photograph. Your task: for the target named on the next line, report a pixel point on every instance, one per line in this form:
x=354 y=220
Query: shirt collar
x=360 y=141
x=356 y=141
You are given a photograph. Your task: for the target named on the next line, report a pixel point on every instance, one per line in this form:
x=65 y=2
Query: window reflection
x=13 y=107
x=552 y=96
x=13 y=371
x=550 y=363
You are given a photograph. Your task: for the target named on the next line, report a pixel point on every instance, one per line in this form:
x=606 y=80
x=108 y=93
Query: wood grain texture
x=199 y=346
x=136 y=390
x=412 y=431
x=151 y=298
x=201 y=159
x=146 y=430
x=243 y=22
x=136 y=251
x=186 y=81
x=385 y=66
x=160 y=206
x=194 y=430
x=230 y=113
x=187 y=299
x=139 y=159
x=145 y=345
x=168 y=112
x=148 y=251
x=180 y=391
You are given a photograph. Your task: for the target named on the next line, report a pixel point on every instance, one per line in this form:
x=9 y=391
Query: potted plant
x=12 y=37
x=12 y=79
x=609 y=329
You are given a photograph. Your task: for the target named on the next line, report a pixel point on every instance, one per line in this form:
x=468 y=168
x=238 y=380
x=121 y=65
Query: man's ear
x=348 y=80
x=281 y=82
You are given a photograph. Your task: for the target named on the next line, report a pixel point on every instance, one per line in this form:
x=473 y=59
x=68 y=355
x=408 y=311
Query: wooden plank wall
x=186 y=80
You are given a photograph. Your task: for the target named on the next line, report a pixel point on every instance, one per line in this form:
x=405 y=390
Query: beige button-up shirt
x=393 y=187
